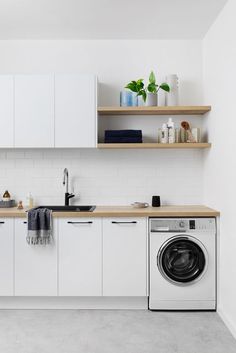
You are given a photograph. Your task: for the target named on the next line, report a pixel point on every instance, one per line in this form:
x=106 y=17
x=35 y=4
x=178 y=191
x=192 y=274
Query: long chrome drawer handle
x=89 y=222
x=131 y=222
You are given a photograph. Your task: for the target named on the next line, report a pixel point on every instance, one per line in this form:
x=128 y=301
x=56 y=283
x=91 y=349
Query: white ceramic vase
x=172 y=97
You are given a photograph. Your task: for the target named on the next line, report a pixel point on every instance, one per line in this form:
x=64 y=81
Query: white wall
x=115 y=62
x=220 y=162
x=108 y=177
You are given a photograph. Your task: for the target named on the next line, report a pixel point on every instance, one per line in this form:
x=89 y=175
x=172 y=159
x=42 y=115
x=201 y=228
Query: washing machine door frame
x=167 y=243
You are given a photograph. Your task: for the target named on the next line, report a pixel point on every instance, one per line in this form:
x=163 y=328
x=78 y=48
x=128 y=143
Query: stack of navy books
x=123 y=136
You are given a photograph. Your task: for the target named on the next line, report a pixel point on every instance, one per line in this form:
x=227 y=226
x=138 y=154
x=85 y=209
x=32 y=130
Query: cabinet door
x=6 y=111
x=80 y=257
x=35 y=265
x=6 y=256
x=124 y=257
x=75 y=111
x=34 y=111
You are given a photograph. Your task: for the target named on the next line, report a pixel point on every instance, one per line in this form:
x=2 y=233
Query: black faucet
x=68 y=196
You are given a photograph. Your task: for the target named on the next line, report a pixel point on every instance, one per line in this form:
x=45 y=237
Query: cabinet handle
x=89 y=222
x=131 y=222
x=2 y=222
x=25 y=222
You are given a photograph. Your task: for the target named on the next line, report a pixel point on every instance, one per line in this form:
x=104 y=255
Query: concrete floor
x=112 y=331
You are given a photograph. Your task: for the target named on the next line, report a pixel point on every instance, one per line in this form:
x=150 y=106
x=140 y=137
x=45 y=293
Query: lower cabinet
x=35 y=265
x=80 y=257
x=124 y=257
x=6 y=256
x=88 y=257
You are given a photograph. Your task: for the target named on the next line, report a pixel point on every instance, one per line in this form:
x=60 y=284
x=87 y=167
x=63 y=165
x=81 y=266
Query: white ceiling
x=107 y=19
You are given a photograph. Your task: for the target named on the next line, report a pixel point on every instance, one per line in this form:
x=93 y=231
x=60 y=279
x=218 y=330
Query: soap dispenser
x=164 y=133
x=171 y=131
x=30 y=200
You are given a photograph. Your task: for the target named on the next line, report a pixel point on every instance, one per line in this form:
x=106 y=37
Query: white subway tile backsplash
x=42 y=163
x=103 y=177
x=71 y=153
x=24 y=163
x=32 y=154
x=52 y=154
x=15 y=154
x=7 y=164
x=2 y=155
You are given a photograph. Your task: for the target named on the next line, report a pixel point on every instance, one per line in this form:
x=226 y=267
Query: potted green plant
x=138 y=88
x=148 y=93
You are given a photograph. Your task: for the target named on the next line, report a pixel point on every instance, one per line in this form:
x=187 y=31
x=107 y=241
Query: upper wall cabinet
x=6 y=110
x=75 y=110
x=34 y=111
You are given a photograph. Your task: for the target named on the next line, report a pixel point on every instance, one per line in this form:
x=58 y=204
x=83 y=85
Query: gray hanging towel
x=39 y=226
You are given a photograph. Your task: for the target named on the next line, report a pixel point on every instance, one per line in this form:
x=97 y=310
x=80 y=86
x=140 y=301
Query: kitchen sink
x=72 y=208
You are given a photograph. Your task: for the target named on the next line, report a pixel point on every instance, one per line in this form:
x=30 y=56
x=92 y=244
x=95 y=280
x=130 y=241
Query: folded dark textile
x=123 y=140
x=123 y=133
x=39 y=226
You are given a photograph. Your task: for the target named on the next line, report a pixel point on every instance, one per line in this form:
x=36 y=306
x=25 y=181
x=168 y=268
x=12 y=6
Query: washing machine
x=182 y=271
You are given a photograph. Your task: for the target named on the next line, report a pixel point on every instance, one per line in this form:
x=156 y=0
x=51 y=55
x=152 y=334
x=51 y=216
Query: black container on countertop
x=156 y=201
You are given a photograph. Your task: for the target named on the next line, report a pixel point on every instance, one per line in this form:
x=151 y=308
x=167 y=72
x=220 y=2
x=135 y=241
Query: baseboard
x=181 y=304
x=128 y=303
x=227 y=322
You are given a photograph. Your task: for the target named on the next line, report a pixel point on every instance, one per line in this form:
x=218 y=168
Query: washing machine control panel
x=182 y=224
x=192 y=224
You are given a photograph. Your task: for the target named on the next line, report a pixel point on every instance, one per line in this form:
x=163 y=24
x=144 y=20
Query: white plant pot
x=151 y=99
x=141 y=102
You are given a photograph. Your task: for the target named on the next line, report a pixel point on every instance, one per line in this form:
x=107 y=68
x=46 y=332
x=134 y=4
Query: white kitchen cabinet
x=124 y=257
x=6 y=111
x=35 y=265
x=80 y=257
x=34 y=111
x=75 y=110
x=6 y=256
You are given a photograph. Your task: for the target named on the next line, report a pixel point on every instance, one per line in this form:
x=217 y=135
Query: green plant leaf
x=135 y=86
x=132 y=86
x=165 y=87
x=152 y=78
x=152 y=88
x=142 y=93
x=140 y=84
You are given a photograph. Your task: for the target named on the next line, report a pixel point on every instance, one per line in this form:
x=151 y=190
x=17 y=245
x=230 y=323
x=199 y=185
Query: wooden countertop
x=127 y=211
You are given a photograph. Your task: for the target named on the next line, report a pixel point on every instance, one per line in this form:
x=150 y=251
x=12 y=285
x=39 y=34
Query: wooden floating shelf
x=162 y=110
x=153 y=145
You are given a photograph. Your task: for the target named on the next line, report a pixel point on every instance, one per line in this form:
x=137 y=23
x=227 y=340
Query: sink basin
x=72 y=208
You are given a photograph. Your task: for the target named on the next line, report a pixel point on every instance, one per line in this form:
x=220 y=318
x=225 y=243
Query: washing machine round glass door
x=182 y=260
